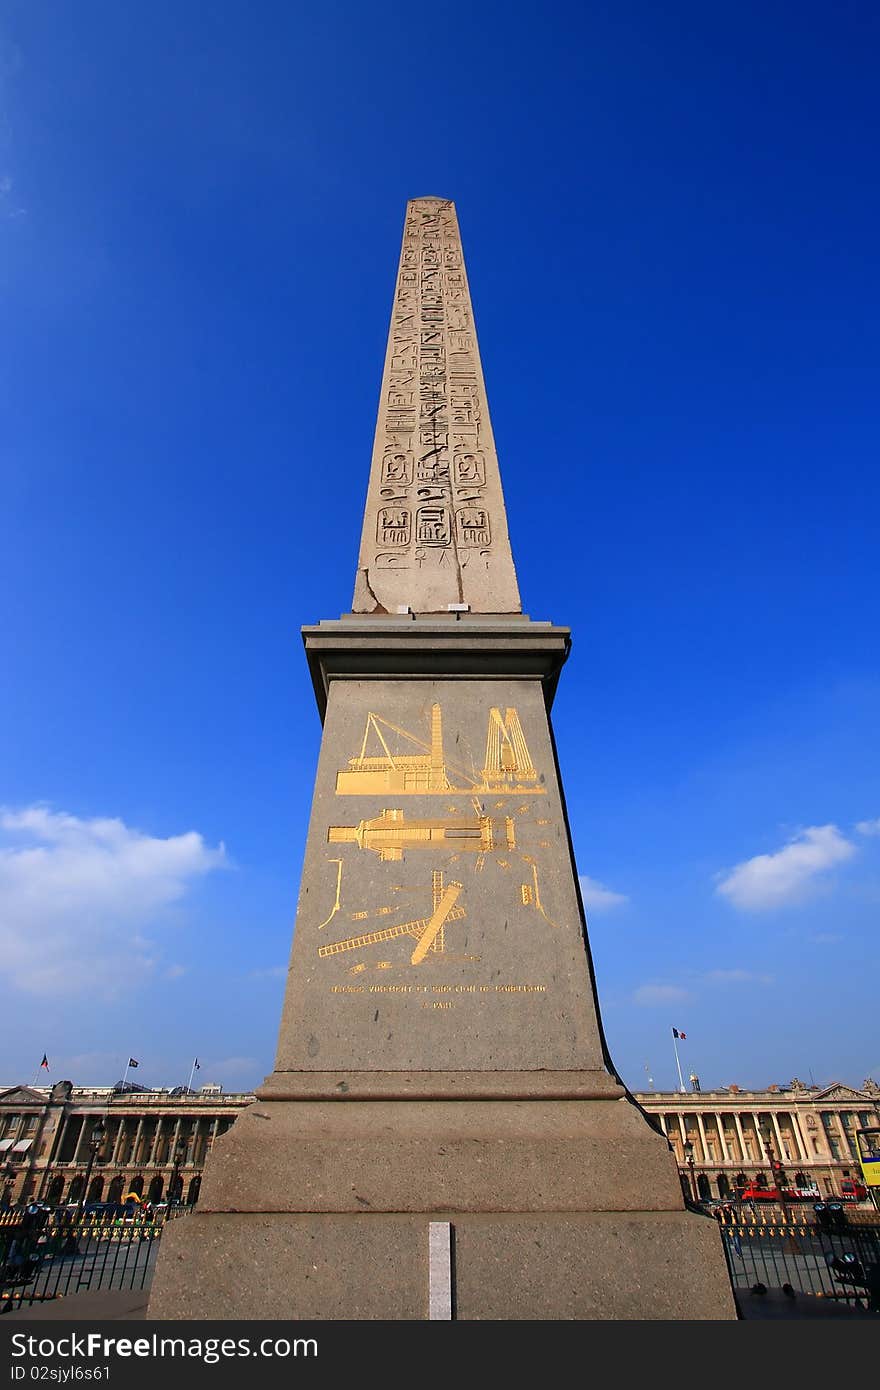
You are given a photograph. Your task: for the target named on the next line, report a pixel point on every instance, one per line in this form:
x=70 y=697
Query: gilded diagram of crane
x=429 y=932
x=508 y=765
x=393 y=763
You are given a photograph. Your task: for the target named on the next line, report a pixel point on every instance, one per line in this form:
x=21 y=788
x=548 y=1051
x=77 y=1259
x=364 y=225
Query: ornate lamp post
x=176 y=1185
x=777 y=1172
x=95 y=1142
x=689 y=1159
x=9 y=1176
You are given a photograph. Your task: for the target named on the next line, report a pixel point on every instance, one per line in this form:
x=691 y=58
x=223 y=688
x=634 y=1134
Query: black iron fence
x=801 y=1258
x=50 y=1255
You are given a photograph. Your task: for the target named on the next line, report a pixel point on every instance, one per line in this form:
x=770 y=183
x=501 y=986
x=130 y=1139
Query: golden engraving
x=508 y=761
x=435 y=923
x=526 y=895
x=508 y=765
x=390 y=834
x=537 y=896
x=338 y=862
x=428 y=931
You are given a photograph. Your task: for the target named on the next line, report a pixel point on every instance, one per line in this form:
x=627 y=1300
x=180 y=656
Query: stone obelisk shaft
x=435 y=528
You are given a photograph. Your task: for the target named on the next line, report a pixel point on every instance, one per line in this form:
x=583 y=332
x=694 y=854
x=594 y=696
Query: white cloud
x=869 y=827
x=247 y=1067
x=76 y=896
x=268 y=972
x=774 y=880
x=597 y=896
x=738 y=977
x=647 y=995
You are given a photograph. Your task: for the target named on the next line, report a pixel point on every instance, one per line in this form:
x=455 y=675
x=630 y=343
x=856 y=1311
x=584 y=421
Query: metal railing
x=799 y=1257
x=52 y=1255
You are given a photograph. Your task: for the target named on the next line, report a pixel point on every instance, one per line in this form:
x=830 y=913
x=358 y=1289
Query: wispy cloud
x=8 y=207
x=869 y=827
x=775 y=880
x=268 y=972
x=648 y=995
x=76 y=896
x=597 y=896
x=235 y=1067
x=738 y=977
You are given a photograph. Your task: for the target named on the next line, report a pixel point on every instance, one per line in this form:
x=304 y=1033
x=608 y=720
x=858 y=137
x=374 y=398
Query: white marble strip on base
x=439 y=1271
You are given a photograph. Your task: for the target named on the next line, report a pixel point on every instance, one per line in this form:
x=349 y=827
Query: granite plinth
x=320 y=1208
x=604 y=1266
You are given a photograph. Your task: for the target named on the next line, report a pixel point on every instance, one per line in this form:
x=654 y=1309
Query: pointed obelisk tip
x=435 y=530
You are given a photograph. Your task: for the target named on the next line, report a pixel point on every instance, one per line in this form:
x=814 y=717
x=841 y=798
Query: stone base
x=602 y=1265
x=564 y=1203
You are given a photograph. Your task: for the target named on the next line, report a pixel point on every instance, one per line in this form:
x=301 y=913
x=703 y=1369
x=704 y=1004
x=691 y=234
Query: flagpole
x=681 y=1085
x=125 y=1073
x=192 y=1072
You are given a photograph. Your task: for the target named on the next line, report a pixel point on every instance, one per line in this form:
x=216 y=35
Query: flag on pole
x=676 y=1034
x=45 y=1062
x=196 y=1065
x=132 y=1062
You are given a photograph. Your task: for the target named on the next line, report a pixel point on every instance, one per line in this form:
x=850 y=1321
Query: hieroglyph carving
x=435 y=475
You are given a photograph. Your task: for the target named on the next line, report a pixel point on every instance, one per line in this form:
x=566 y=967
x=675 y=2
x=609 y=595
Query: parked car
x=851 y=1191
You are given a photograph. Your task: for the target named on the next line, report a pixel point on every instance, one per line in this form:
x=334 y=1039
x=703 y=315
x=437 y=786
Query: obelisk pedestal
x=440 y=1057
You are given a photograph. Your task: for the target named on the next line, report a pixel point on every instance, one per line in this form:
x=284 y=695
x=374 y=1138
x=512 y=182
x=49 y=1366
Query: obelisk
x=443 y=1113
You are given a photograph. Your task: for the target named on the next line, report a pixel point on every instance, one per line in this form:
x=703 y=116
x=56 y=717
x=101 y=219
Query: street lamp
x=95 y=1142
x=179 y=1157
x=9 y=1175
x=777 y=1172
x=689 y=1159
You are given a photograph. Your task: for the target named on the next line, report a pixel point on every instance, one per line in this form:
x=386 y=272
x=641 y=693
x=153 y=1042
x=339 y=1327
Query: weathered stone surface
x=438 y=802
x=606 y=1265
x=456 y=1155
x=435 y=527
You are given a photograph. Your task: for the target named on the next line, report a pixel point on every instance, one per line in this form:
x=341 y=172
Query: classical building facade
x=151 y=1142
x=155 y=1142
x=736 y=1134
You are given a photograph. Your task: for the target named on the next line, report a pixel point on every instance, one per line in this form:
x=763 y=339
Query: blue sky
x=670 y=219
